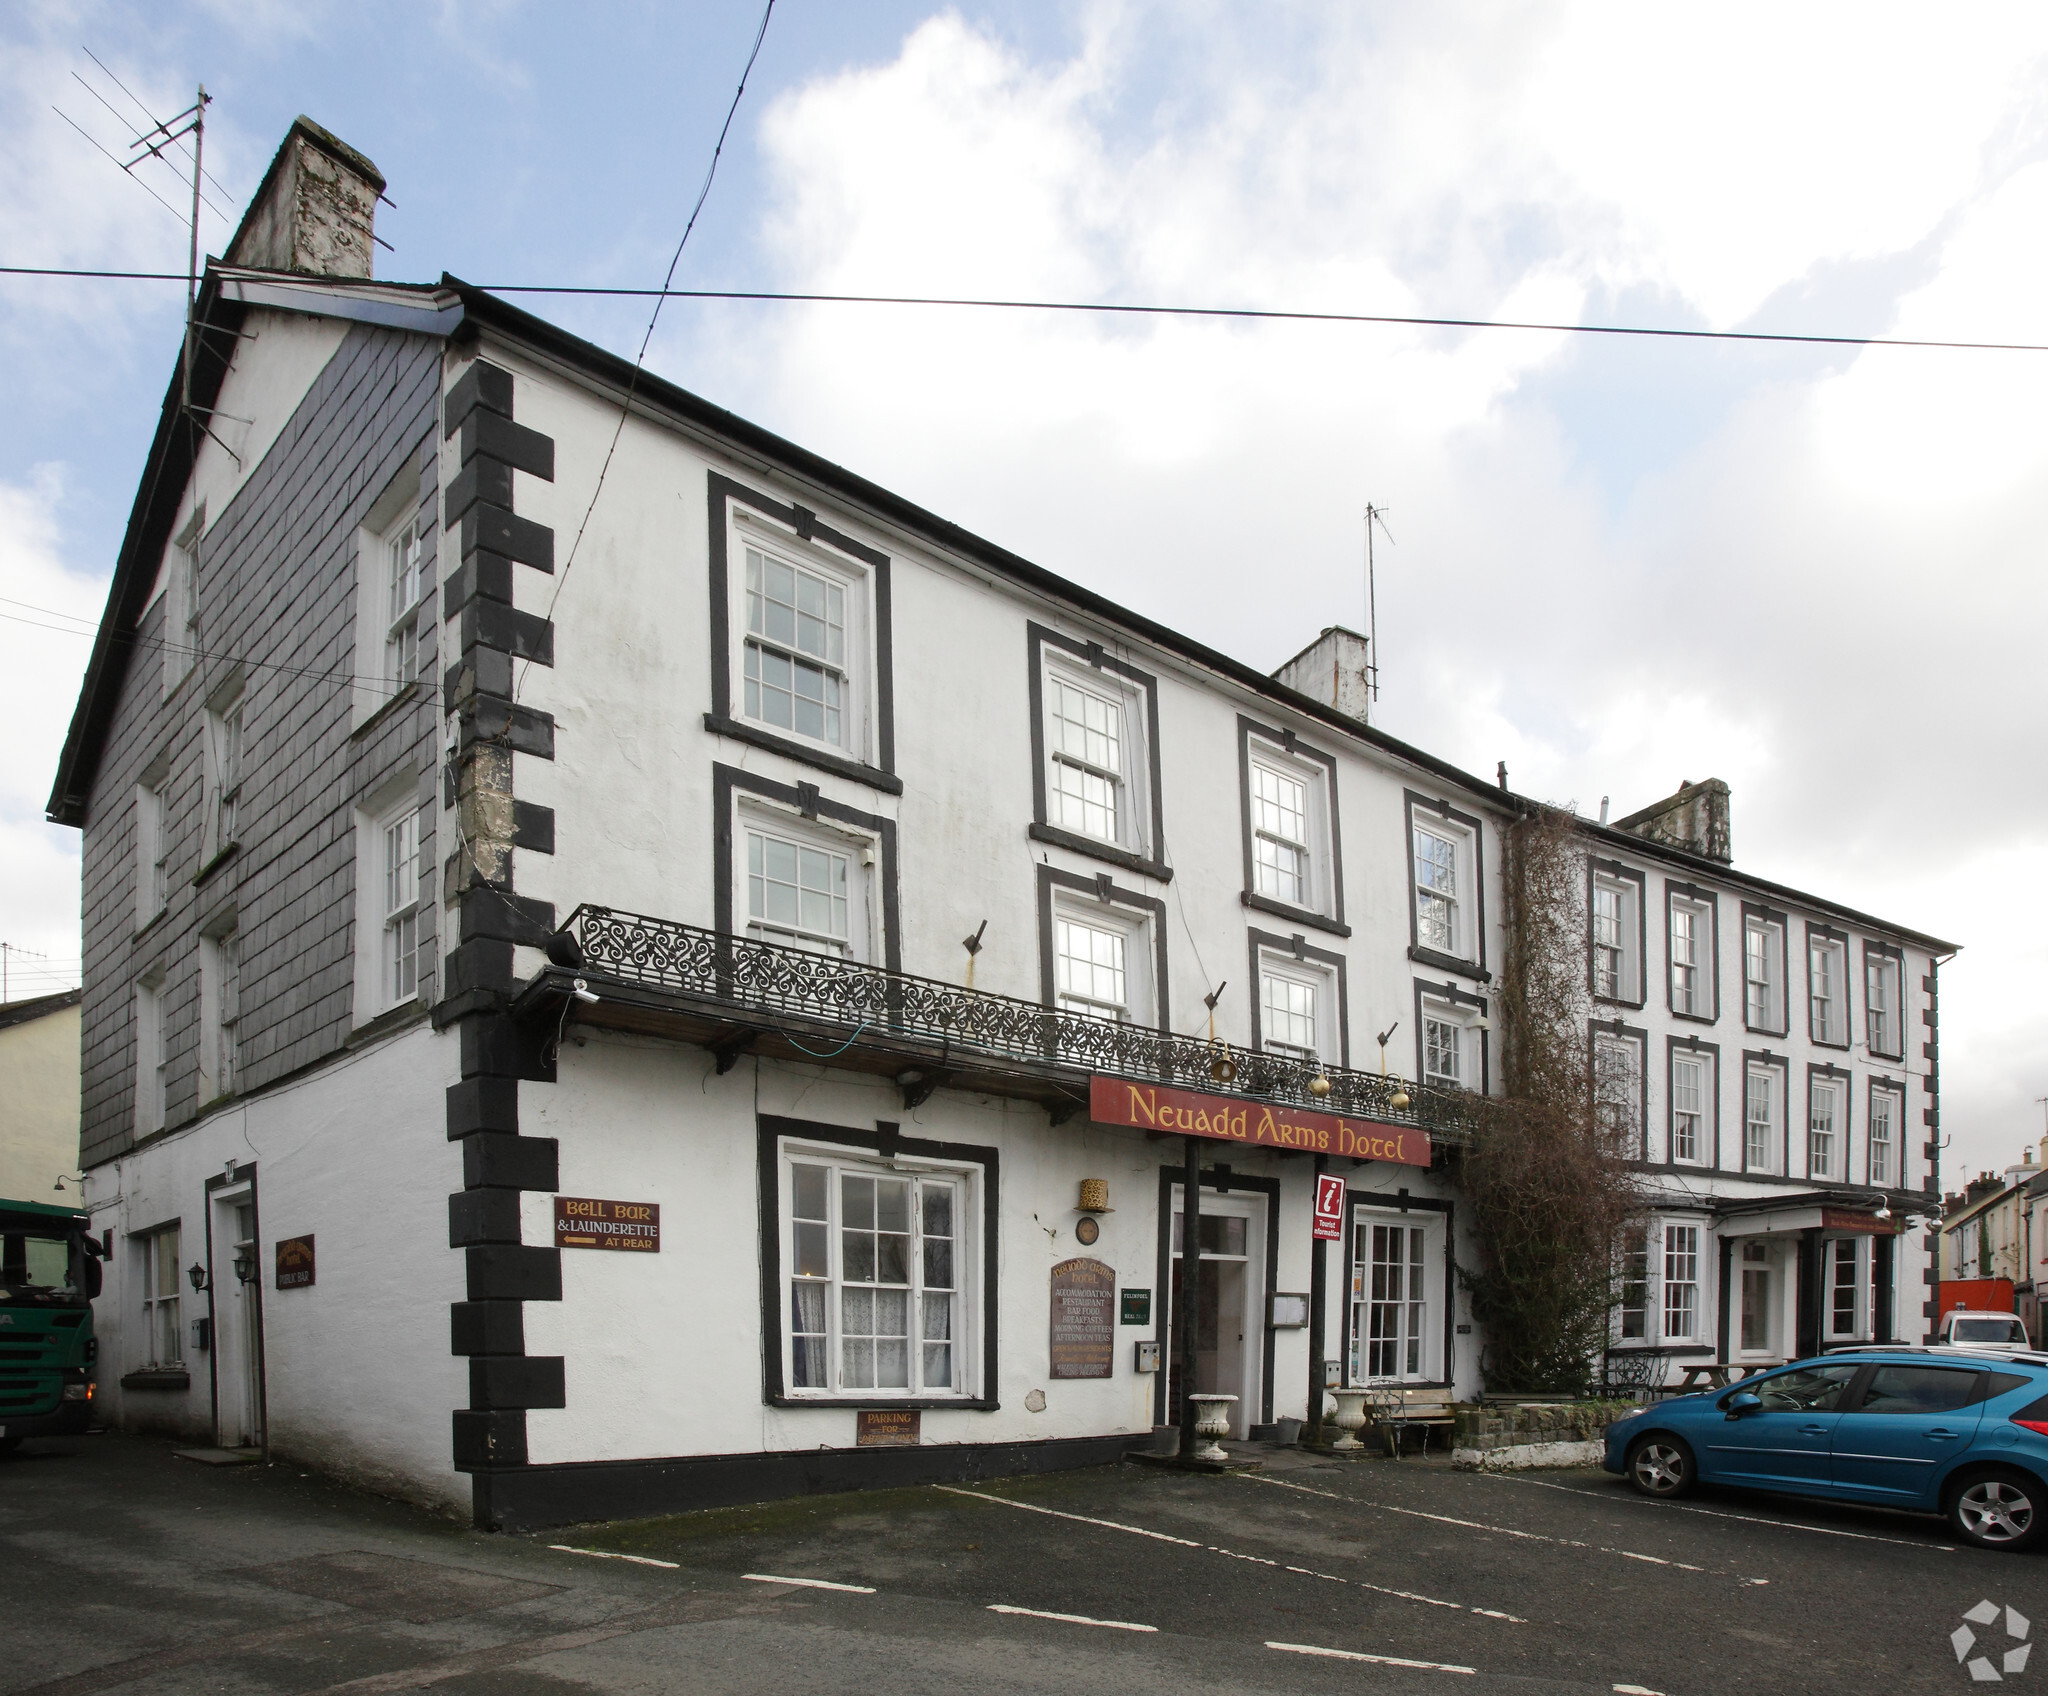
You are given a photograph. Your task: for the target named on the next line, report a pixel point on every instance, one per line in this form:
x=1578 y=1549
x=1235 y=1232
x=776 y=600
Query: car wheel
x=9 y=1444
x=1660 y=1465
x=1997 y=1510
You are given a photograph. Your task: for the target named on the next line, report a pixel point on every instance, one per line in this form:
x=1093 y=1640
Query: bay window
x=1681 y=1283
x=1396 y=1319
x=1633 y=1294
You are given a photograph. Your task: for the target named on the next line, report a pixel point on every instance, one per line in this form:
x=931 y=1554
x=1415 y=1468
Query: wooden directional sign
x=1083 y=1319
x=1264 y=1124
x=581 y=1222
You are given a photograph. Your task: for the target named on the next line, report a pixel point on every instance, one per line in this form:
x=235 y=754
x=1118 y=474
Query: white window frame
x=1460 y=899
x=224 y=758
x=1885 y=1173
x=401 y=899
x=1689 y=946
x=1317 y=893
x=377 y=918
x=152 y=849
x=181 y=601
x=1414 y=1338
x=152 y=1056
x=1827 y=1016
x=1134 y=925
x=1288 y=976
x=1692 y=1115
x=1461 y=1024
x=1838 y=1254
x=965 y=1184
x=1617 y=960
x=1634 y=1273
x=401 y=550
x=1679 y=1271
x=749 y=531
x=1128 y=775
x=1883 y=994
x=1835 y=1091
x=1763 y=947
x=220 y=1010
x=1619 y=1086
x=1767 y=1128
x=158 y=1252
x=382 y=622
x=859 y=853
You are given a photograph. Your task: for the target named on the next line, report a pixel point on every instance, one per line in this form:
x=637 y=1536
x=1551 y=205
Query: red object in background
x=1979 y=1295
x=1329 y=1227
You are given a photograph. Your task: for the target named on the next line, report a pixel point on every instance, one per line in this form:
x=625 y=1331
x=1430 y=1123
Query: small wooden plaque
x=295 y=1263
x=888 y=1427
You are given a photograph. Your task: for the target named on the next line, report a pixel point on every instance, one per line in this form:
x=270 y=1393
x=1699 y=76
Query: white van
x=1967 y=1329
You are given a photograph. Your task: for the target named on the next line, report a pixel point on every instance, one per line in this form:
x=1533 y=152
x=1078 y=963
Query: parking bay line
x=614 y=1555
x=1069 y=1619
x=1717 y=1513
x=809 y=1583
x=1211 y=1548
x=1480 y=1525
x=1377 y=1660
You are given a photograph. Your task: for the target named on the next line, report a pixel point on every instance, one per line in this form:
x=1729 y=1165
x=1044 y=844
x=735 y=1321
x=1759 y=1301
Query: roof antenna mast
x=1374 y=515
x=152 y=144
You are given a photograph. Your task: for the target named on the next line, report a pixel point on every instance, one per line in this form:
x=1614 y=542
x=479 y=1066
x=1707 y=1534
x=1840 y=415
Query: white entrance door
x=237 y=1319
x=1231 y=1298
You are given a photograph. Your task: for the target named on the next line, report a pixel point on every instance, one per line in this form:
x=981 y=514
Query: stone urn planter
x=1212 y=1420
x=1350 y=1415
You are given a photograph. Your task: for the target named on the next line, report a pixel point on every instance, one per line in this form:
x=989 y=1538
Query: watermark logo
x=2012 y=1662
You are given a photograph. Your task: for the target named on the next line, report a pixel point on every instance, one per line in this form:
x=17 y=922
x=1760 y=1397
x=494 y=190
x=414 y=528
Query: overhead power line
x=1252 y=313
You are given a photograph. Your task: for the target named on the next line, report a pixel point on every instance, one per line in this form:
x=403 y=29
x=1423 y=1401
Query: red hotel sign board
x=1259 y=1124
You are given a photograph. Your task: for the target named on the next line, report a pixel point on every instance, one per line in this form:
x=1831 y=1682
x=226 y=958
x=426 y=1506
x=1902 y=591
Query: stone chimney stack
x=1696 y=819
x=1335 y=669
x=315 y=211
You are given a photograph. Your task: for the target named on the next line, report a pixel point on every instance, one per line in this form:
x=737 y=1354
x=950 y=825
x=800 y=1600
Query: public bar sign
x=1083 y=1319
x=581 y=1222
x=1261 y=1124
x=1329 y=1227
x=295 y=1263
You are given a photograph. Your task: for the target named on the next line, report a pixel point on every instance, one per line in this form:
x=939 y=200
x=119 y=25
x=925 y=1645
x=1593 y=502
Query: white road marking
x=1716 y=1513
x=1377 y=1660
x=613 y=1555
x=1079 y=1518
x=1474 y=1524
x=1636 y=1690
x=1069 y=1619
x=810 y=1583
x=1212 y=1549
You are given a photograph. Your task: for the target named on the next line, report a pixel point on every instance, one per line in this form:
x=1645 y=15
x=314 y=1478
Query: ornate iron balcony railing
x=742 y=974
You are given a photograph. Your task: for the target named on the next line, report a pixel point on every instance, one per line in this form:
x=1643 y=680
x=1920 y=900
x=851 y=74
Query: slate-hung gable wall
x=277 y=586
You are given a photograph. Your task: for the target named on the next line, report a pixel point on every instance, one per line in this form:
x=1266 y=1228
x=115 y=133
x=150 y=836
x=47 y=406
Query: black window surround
x=1619 y=873
x=1710 y=946
x=1292 y=747
x=1097 y=658
x=1897 y=956
x=883 y=1143
x=1473 y=965
x=1376 y=1201
x=1828 y=933
x=1457 y=997
x=1711 y=1052
x=1816 y=1070
x=728 y=781
x=1222 y=1180
x=1639 y=1038
x=722 y=720
x=1753 y=913
x=1101 y=888
x=1782 y=1065
x=1296 y=948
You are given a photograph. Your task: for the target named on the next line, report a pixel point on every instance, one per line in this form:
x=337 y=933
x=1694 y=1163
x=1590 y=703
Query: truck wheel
x=1661 y=1465
x=1997 y=1510
x=9 y=1444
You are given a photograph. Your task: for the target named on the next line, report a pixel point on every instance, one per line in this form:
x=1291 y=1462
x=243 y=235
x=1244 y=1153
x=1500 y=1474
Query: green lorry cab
x=49 y=1273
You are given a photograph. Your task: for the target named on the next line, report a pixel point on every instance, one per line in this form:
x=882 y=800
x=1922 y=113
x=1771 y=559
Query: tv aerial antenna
x=1375 y=519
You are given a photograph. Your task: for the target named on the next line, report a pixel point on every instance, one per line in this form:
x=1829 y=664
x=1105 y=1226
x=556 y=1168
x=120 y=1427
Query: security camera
x=583 y=992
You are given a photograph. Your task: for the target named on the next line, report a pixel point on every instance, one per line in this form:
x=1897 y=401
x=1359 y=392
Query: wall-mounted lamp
x=197 y=1274
x=583 y=992
x=1399 y=1099
x=245 y=1264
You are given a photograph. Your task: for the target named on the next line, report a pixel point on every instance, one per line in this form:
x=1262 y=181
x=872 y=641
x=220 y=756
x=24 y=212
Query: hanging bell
x=1222 y=1069
x=1319 y=1086
x=1398 y=1100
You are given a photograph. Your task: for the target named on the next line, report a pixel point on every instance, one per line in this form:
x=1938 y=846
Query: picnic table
x=1711 y=1375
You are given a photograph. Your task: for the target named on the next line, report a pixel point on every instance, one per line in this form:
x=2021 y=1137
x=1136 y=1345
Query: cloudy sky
x=1618 y=564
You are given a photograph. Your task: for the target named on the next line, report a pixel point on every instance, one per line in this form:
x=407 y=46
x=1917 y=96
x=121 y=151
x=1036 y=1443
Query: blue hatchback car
x=1932 y=1430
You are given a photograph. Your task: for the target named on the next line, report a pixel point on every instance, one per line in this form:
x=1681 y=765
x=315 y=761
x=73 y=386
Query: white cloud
x=40 y=669
x=1824 y=595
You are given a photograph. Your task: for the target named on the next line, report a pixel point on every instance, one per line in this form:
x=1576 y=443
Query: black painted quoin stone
x=494 y=640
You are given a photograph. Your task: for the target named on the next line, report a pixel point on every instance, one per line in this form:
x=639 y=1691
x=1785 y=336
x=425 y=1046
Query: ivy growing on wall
x=1547 y=1171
